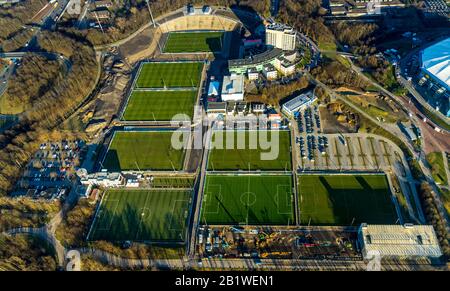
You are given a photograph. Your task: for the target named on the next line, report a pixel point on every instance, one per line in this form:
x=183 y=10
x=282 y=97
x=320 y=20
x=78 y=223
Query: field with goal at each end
x=142 y=215
x=248 y=199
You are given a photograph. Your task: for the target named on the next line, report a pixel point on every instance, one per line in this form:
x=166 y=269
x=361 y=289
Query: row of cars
x=51 y=170
x=312 y=120
x=321 y=145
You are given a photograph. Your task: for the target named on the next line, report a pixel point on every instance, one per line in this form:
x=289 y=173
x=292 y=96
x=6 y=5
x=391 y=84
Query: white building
x=215 y=108
x=285 y=66
x=214 y=88
x=252 y=74
x=298 y=103
x=399 y=241
x=104 y=179
x=270 y=72
x=280 y=36
x=233 y=88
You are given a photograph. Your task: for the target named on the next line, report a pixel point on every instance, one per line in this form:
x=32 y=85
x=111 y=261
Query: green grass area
x=142 y=215
x=191 y=42
x=436 y=160
x=9 y=107
x=159 y=105
x=343 y=199
x=170 y=75
x=248 y=199
x=143 y=150
x=242 y=150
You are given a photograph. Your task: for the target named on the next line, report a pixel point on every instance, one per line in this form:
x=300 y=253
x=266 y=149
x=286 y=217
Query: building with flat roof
x=233 y=88
x=214 y=88
x=257 y=62
x=298 y=103
x=104 y=179
x=216 y=108
x=394 y=241
x=270 y=72
x=281 y=36
x=253 y=74
x=285 y=66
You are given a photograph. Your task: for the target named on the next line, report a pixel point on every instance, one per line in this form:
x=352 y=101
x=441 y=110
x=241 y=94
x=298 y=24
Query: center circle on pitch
x=248 y=198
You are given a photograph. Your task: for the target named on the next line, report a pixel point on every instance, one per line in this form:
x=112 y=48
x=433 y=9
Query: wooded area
x=36 y=124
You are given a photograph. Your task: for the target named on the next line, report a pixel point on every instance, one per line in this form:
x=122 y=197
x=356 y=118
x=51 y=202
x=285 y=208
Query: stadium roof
x=400 y=240
x=436 y=61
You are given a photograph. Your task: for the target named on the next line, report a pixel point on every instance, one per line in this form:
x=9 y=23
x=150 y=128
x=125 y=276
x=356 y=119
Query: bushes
x=74 y=228
x=25 y=212
x=55 y=103
x=24 y=253
x=434 y=218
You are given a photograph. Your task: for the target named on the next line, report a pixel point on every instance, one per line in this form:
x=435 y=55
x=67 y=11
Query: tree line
x=37 y=123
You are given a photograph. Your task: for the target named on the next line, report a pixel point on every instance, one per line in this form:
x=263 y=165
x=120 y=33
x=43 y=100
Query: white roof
x=233 y=84
x=436 y=60
x=213 y=88
x=401 y=240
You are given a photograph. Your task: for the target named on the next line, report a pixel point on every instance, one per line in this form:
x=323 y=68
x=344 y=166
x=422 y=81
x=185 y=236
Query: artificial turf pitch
x=248 y=199
x=143 y=150
x=170 y=75
x=191 y=42
x=228 y=152
x=159 y=105
x=345 y=199
x=142 y=215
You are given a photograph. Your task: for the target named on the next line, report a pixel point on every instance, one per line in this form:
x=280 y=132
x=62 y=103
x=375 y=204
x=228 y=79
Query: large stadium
x=435 y=69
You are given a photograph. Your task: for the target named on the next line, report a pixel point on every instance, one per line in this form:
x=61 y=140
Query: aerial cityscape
x=251 y=135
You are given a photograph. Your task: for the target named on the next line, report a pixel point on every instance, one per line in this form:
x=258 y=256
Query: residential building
x=258 y=108
x=281 y=36
x=102 y=4
x=241 y=108
x=241 y=66
x=216 y=108
x=285 y=66
x=270 y=72
x=252 y=74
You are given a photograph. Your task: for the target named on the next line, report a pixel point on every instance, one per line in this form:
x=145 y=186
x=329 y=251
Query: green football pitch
x=142 y=215
x=343 y=199
x=191 y=42
x=170 y=75
x=143 y=150
x=250 y=150
x=159 y=105
x=248 y=199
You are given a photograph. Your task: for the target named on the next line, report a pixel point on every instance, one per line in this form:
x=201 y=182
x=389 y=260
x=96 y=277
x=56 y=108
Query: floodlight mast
x=151 y=14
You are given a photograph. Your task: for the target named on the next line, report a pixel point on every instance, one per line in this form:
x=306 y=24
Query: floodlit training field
x=343 y=199
x=170 y=75
x=249 y=158
x=159 y=105
x=191 y=42
x=142 y=215
x=248 y=199
x=143 y=150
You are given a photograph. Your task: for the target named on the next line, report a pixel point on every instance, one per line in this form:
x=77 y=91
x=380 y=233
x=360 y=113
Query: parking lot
x=356 y=152
x=49 y=173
